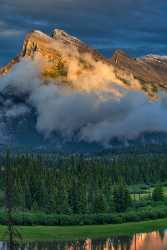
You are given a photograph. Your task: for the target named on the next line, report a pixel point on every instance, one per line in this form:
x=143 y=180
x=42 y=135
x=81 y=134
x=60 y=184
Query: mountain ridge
x=58 y=50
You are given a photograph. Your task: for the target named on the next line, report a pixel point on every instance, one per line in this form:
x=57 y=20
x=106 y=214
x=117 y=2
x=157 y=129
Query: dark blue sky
x=139 y=26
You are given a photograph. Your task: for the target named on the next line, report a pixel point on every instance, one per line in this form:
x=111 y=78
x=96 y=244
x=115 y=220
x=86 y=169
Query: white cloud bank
x=90 y=116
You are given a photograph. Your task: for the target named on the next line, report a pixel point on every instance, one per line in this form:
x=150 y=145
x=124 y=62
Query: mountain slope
x=65 y=58
x=51 y=49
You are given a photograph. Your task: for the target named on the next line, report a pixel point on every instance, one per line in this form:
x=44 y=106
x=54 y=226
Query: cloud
x=90 y=116
x=16 y=111
x=135 y=114
x=9 y=33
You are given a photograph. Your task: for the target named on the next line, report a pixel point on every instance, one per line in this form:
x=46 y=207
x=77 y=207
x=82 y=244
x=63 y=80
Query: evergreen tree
x=78 y=185
x=121 y=196
x=158 y=194
x=100 y=204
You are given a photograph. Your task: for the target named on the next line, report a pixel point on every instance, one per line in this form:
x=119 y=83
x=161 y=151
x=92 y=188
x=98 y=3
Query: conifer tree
x=158 y=194
x=121 y=196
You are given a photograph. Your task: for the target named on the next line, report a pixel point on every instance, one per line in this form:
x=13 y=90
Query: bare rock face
x=51 y=48
x=159 y=65
x=149 y=74
x=73 y=42
x=56 y=52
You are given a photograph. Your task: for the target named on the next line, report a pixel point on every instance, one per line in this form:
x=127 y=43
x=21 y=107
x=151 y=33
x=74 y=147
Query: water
x=144 y=241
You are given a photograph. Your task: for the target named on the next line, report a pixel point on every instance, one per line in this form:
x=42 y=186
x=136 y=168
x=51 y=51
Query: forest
x=77 y=185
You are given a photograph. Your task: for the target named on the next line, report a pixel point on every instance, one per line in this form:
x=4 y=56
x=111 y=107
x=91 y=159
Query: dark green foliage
x=41 y=218
x=158 y=194
x=81 y=186
x=121 y=196
x=100 y=203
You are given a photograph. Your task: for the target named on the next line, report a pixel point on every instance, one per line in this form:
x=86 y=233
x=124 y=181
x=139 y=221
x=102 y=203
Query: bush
x=40 y=218
x=132 y=216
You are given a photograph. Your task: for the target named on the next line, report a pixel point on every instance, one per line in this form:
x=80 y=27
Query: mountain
x=56 y=52
x=52 y=50
x=70 y=105
x=149 y=72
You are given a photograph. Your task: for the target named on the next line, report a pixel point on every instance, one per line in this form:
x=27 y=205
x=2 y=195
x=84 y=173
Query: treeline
x=77 y=185
x=41 y=218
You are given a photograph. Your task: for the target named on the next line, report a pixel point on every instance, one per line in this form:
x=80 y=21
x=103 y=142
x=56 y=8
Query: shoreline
x=49 y=233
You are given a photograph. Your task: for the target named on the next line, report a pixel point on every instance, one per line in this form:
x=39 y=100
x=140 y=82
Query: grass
x=32 y=233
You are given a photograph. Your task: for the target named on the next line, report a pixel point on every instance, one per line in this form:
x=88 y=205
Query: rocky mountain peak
x=120 y=55
x=72 y=42
x=120 y=52
x=62 y=35
x=147 y=73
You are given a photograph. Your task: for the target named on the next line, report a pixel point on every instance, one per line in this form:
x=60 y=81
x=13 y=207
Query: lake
x=141 y=241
